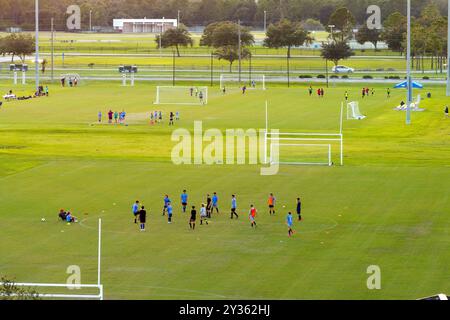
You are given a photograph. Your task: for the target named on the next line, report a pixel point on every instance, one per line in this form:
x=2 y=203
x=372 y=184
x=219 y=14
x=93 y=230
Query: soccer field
x=387 y=206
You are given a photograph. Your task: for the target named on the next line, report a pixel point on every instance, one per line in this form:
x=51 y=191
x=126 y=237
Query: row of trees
x=199 y=12
x=429 y=31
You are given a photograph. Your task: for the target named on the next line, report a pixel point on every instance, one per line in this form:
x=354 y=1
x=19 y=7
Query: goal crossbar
x=188 y=99
x=258 y=80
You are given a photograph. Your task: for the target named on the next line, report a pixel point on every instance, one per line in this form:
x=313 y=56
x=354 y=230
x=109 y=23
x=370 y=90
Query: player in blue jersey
x=184 y=200
x=233 y=206
x=169 y=212
x=135 y=210
x=166 y=202
x=215 y=202
x=289 y=223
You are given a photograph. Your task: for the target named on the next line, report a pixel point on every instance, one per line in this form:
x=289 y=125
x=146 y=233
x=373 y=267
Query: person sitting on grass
x=446 y=111
x=70 y=218
x=62 y=215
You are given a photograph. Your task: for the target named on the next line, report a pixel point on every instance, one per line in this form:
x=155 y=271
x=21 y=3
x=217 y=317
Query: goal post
x=54 y=290
x=353 y=112
x=71 y=76
x=230 y=80
x=328 y=143
x=181 y=95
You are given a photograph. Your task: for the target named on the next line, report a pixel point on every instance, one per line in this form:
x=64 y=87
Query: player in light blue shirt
x=184 y=200
x=166 y=202
x=169 y=212
x=135 y=210
x=233 y=207
x=215 y=202
x=289 y=222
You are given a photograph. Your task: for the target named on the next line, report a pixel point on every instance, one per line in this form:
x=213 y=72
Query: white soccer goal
x=95 y=290
x=309 y=154
x=414 y=105
x=71 y=76
x=308 y=148
x=181 y=95
x=353 y=112
x=231 y=80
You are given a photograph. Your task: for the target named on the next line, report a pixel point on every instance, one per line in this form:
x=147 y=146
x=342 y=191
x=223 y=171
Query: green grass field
x=387 y=206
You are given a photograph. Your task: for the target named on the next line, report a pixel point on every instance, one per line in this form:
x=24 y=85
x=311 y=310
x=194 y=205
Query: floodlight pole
x=36 y=59
x=265 y=21
x=178 y=18
x=239 y=49
x=90 y=20
x=212 y=69
x=288 y=70
x=173 y=67
x=250 y=68
x=408 y=65
x=53 y=48
x=448 y=50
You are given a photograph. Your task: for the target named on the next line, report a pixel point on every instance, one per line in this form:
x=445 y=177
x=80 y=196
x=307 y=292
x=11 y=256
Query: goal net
x=353 y=112
x=230 y=80
x=181 y=95
x=300 y=154
x=71 y=76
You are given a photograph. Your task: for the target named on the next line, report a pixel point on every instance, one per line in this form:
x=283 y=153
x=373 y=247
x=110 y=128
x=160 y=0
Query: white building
x=144 y=25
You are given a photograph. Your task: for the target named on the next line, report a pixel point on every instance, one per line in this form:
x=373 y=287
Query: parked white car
x=343 y=69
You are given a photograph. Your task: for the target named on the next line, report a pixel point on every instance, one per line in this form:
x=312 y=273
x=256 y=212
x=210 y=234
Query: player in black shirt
x=208 y=206
x=299 y=209
x=193 y=218
x=142 y=218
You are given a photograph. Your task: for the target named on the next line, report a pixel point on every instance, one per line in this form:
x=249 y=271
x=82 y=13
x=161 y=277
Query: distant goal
x=231 y=80
x=181 y=95
x=353 y=112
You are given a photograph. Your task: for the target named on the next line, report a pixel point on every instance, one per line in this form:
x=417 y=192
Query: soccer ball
x=43 y=220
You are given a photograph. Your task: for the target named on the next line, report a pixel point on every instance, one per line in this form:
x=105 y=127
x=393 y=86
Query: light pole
x=265 y=21
x=331 y=26
x=90 y=20
x=36 y=59
x=178 y=18
x=239 y=49
x=408 y=65
x=53 y=47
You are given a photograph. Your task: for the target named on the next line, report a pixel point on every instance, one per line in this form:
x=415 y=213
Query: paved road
x=207 y=79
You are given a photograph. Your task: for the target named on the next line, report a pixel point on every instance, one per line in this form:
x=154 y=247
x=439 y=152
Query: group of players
x=211 y=205
x=157 y=117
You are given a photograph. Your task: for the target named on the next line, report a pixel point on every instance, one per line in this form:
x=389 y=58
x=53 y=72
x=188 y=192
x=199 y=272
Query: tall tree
x=175 y=37
x=394 y=30
x=336 y=51
x=365 y=34
x=20 y=45
x=231 y=54
x=225 y=33
x=224 y=37
x=286 y=34
x=343 y=21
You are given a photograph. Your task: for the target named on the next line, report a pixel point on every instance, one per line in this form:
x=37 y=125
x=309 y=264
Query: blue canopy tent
x=404 y=84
